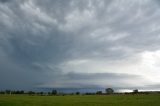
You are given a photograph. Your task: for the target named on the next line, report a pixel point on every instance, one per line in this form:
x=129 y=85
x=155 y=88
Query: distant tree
x=54 y=92
x=49 y=93
x=77 y=93
x=7 y=91
x=2 y=92
x=89 y=93
x=99 y=92
x=17 y=92
x=109 y=91
x=41 y=93
x=135 y=91
x=12 y=92
x=31 y=92
x=21 y=92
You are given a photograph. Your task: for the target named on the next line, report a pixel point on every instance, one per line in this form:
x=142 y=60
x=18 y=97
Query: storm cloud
x=79 y=43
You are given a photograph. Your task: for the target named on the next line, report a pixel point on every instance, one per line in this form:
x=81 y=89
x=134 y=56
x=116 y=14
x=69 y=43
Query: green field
x=80 y=100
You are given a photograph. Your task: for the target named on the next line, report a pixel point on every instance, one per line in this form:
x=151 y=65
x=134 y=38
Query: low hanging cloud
x=71 y=43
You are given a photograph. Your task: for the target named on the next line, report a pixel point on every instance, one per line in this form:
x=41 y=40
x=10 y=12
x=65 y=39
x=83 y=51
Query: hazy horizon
x=80 y=44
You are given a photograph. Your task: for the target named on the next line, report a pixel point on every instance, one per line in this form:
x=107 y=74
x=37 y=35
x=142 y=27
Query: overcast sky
x=80 y=44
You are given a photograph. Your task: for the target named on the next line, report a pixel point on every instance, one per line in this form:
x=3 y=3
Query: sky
x=80 y=44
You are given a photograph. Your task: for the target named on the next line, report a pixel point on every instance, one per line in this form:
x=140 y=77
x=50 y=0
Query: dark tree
x=31 y=92
x=77 y=93
x=8 y=91
x=99 y=92
x=109 y=91
x=41 y=93
x=135 y=91
x=54 y=92
x=49 y=93
x=21 y=92
x=2 y=92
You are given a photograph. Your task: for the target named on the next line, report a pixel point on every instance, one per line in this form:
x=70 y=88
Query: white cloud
x=150 y=65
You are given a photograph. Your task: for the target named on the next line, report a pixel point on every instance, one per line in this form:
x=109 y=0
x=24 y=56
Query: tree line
x=55 y=92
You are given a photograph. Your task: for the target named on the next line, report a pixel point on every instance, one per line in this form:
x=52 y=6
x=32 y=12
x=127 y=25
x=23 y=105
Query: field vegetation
x=80 y=100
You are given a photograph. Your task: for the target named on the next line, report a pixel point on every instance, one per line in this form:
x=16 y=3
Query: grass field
x=91 y=100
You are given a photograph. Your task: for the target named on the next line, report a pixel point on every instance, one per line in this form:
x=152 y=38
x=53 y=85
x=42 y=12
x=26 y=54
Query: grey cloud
x=34 y=35
x=4 y=1
x=108 y=76
x=88 y=80
x=153 y=86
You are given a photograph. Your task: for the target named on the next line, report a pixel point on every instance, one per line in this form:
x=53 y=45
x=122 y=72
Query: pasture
x=80 y=100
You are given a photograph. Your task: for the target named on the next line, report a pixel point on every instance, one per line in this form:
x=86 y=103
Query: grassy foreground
x=80 y=100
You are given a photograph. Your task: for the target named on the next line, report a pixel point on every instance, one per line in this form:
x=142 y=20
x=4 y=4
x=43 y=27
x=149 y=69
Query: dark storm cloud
x=24 y=45
x=37 y=36
x=4 y=1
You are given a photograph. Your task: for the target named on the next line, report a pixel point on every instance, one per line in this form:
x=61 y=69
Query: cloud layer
x=82 y=43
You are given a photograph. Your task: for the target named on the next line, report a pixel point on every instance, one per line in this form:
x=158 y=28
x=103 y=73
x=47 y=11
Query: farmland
x=81 y=100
